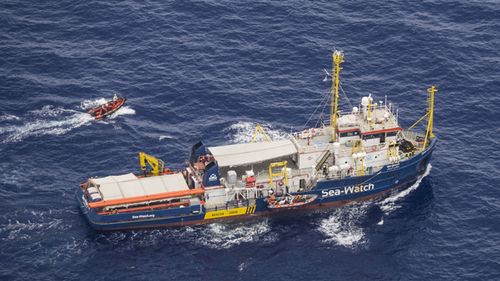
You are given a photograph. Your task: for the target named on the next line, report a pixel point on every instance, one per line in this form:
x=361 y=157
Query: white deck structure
x=249 y=153
x=128 y=185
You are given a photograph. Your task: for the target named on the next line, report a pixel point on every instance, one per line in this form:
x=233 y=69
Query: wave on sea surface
x=165 y=137
x=24 y=224
x=8 y=117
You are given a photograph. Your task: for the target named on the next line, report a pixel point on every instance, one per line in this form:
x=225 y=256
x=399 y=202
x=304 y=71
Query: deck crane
x=156 y=165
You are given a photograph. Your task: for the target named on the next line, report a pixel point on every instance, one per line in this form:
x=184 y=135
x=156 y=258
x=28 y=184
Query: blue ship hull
x=330 y=193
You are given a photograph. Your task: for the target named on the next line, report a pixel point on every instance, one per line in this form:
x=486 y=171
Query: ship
x=356 y=155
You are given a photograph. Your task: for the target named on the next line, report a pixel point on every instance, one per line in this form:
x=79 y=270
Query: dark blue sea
x=210 y=70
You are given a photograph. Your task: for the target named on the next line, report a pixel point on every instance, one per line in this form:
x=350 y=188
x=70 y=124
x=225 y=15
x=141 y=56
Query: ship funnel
x=196 y=151
x=211 y=176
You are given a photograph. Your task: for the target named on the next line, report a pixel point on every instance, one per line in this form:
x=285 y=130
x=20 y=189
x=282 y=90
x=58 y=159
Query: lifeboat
x=108 y=108
x=289 y=201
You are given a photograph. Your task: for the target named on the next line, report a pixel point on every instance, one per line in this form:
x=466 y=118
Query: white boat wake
x=8 y=117
x=342 y=226
x=242 y=132
x=224 y=236
x=46 y=121
x=88 y=104
x=50 y=120
x=389 y=204
x=213 y=236
x=124 y=110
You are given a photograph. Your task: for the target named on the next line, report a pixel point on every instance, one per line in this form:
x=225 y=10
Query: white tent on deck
x=128 y=185
x=249 y=153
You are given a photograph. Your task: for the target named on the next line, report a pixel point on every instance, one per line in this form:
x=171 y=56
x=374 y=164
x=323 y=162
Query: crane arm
x=155 y=164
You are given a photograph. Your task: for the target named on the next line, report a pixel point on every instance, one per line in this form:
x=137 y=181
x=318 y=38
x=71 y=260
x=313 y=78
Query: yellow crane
x=156 y=165
x=259 y=129
x=430 y=116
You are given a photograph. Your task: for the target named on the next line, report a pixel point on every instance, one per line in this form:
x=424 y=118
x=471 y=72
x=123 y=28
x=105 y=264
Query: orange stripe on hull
x=138 y=199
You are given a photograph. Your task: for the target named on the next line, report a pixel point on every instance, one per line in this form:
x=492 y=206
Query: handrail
x=164 y=195
x=145 y=208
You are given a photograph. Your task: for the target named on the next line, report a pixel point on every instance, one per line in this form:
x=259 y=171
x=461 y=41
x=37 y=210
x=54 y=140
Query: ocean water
x=210 y=70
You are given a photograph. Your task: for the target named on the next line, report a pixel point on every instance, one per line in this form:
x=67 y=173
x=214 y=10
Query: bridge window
x=349 y=134
x=373 y=136
x=392 y=134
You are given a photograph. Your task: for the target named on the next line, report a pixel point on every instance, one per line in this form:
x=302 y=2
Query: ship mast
x=430 y=116
x=430 y=122
x=338 y=58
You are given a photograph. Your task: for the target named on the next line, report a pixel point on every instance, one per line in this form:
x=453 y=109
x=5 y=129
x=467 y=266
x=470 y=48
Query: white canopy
x=128 y=185
x=247 y=153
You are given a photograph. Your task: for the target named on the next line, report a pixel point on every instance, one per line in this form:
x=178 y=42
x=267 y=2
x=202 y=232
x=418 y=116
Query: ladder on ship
x=359 y=161
x=323 y=159
x=282 y=173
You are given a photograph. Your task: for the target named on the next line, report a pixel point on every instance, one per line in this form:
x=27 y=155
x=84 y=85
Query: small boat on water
x=108 y=108
x=289 y=201
x=359 y=154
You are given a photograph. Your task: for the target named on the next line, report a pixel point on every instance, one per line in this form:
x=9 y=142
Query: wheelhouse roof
x=248 y=153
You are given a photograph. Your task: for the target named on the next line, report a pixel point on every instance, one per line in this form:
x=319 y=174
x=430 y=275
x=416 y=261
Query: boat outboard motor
x=196 y=151
x=211 y=176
